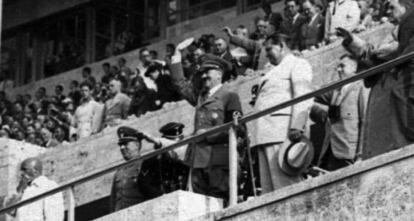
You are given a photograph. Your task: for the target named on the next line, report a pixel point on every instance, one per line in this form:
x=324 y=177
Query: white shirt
x=84 y=118
x=347 y=16
x=47 y=209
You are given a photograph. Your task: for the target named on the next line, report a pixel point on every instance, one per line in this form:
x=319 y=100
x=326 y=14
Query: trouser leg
x=199 y=181
x=264 y=171
x=271 y=175
x=219 y=182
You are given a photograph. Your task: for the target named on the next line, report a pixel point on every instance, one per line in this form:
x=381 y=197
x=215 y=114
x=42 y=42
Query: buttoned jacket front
x=116 y=108
x=290 y=79
x=213 y=111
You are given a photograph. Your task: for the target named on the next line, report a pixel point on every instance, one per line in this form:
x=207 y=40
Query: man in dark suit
x=215 y=105
x=390 y=110
x=274 y=18
x=343 y=113
x=221 y=49
x=292 y=21
x=312 y=30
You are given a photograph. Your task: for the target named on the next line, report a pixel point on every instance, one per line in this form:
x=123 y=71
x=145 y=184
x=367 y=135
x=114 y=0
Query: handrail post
x=233 y=161
x=71 y=208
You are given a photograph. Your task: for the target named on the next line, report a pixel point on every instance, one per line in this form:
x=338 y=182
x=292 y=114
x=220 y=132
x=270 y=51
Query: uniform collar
x=214 y=90
x=313 y=18
x=295 y=17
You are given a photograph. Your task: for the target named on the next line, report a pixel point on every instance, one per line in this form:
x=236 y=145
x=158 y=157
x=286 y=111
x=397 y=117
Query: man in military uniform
x=173 y=172
x=215 y=104
x=134 y=183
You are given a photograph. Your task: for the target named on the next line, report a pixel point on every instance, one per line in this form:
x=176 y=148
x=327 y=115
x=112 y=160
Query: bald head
x=31 y=168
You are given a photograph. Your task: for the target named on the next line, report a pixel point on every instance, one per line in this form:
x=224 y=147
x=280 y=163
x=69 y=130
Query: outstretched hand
x=343 y=33
x=228 y=31
x=176 y=58
x=295 y=135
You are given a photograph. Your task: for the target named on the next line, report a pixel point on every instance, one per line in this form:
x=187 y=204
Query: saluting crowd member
x=390 y=110
x=173 y=171
x=130 y=186
x=215 y=105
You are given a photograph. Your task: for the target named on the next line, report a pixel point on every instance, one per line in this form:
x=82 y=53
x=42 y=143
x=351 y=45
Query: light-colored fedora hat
x=295 y=158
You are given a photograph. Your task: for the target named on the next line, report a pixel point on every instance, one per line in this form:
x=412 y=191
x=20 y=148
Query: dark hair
x=75 y=83
x=241 y=26
x=170 y=45
x=266 y=5
x=122 y=59
x=87 y=70
x=106 y=64
x=42 y=89
x=60 y=87
x=153 y=53
x=152 y=68
x=86 y=84
x=278 y=39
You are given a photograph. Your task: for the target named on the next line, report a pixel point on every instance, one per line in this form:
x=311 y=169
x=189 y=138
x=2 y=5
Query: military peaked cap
x=126 y=134
x=172 y=130
x=214 y=62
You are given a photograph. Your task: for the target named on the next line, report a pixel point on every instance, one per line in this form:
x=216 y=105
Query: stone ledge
x=179 y=205
x=283 y=195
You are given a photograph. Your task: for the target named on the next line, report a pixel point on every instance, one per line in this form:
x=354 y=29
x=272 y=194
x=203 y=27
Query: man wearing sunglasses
x=390 y=111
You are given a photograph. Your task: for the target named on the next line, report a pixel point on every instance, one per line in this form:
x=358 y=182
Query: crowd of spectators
x=90 y=104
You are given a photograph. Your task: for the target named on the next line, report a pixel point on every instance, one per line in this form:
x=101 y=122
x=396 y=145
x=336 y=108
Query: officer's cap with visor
x=172 y=130
x=127 y=134
x=214 y=62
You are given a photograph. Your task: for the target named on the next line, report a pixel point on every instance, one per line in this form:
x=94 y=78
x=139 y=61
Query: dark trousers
x=212 y=181
x=331 y=163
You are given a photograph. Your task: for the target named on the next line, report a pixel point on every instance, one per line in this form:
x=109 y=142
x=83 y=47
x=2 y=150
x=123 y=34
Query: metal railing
x=222 y=128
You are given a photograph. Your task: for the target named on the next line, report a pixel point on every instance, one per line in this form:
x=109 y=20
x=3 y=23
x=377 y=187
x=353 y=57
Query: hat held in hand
x=295 y=158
